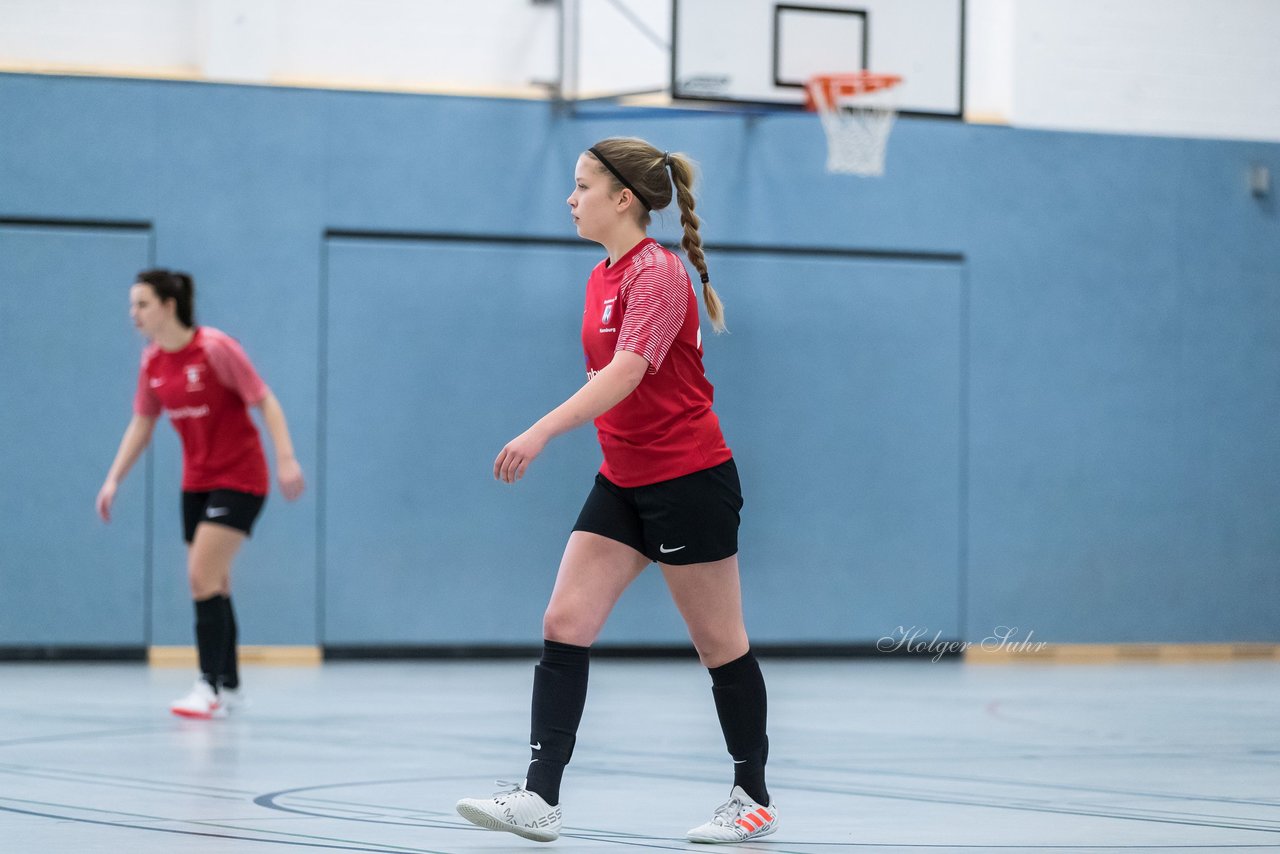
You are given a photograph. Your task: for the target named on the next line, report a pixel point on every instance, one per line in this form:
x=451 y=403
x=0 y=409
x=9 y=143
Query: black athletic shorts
x=689 y=519
x=222 y=507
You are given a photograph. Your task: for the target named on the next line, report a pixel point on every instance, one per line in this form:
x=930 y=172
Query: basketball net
x=857 y=112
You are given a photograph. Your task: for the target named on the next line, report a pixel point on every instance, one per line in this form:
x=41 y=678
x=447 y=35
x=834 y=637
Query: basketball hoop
x=857 y=112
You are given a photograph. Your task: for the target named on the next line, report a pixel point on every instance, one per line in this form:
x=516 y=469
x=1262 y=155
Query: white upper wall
x=131 y=36
x=492 y=46
x=477 y=45
x=988 y=73
x=1177 y=67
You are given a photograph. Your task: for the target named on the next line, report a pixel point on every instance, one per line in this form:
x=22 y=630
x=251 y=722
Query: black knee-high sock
x=559 y=693
x=230 y=677
x=211 y=638
x=741 y=704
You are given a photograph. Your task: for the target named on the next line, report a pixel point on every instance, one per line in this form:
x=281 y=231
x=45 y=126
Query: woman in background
x=206 y=383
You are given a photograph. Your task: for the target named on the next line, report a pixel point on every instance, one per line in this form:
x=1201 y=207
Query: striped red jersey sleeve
x=232 y=366
x=655 y=297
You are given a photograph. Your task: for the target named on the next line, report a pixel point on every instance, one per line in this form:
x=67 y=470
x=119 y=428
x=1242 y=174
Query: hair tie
x=621 y=180
x=666 y=159
x=705 y=278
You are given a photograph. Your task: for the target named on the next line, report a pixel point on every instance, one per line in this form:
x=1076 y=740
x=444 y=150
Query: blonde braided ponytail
x=652 y=172
x=682 y=175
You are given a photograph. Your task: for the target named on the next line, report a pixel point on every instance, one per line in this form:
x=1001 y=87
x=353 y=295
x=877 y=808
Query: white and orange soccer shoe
x=201 y=703
x=738 y=819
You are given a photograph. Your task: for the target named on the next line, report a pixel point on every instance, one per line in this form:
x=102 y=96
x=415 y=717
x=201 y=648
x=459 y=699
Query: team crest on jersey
x=193 y=377
x=608 y=312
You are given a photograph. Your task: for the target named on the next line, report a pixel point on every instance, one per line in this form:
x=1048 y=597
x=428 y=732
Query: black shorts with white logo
x=222 y=507
x=688 y=519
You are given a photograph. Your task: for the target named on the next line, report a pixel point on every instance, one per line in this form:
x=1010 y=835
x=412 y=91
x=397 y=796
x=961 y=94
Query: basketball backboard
x=758 y=53
x=762 y=52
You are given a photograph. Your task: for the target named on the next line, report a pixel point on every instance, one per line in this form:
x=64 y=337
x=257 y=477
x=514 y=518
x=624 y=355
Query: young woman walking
x=667 y=492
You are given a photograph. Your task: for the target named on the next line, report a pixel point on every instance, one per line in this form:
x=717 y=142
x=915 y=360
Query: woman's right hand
x=515 y=458
x=105 y=496
x=290 y=475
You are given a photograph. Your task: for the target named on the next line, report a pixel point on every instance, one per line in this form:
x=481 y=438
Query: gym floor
x=893 y=756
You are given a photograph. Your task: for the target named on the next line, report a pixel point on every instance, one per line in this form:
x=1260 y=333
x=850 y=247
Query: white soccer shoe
x=201 y=703
x=738 y=819
x=232 y=699
x=515 y=810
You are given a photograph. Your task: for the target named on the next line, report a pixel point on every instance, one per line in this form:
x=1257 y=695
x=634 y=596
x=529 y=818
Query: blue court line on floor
x=115 y=780
x=998 y=781
x=350 y=845
x=947 y=846
x=952 y=800
x=805 y=767
x=164 y=788
x=974 y=802
x=270 y=800
x=41 y=739
x=129 y=826
x=1003 y=803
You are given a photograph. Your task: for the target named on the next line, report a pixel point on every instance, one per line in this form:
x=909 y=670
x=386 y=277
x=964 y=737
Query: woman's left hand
x=290 y=476
x=514 y=460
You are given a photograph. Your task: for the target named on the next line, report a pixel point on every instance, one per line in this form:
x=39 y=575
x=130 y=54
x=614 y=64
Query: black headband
x=639 y=195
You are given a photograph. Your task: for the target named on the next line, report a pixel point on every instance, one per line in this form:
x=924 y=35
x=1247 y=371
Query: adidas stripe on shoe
x=738 y=819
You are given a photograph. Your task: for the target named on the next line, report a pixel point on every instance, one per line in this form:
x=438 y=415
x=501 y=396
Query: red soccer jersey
x=665 y=428
x=205 y=387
